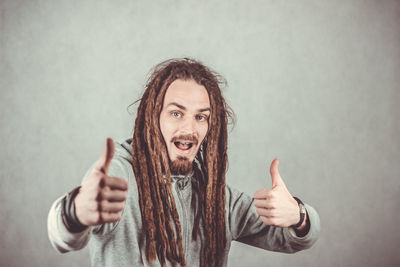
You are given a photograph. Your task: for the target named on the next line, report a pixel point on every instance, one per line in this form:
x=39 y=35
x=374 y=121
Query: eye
x=201 y=117
x=176 y=114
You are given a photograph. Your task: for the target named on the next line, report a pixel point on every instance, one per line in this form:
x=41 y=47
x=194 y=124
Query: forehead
x=187 y=93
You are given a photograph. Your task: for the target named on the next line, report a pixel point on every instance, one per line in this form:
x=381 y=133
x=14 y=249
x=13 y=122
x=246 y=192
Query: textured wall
x=315 y=83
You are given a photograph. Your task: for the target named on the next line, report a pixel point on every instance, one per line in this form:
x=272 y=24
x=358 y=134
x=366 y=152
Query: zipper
x=179 y=187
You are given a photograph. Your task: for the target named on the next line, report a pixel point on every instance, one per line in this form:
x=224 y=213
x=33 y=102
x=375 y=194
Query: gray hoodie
x=123 y=243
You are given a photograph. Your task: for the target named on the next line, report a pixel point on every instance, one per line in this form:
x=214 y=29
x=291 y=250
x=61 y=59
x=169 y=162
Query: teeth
x=183 y=145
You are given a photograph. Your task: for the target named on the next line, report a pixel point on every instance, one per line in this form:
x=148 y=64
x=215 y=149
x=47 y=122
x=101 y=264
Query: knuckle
x=255 y=204
x=102 y=205
x=258 y=211
x=105 y=216
x=103 y=194
x=99 y=207
x=102 y=180
x=272 y=204
x=100 y=218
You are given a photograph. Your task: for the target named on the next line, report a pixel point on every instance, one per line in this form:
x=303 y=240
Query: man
x=161 y=200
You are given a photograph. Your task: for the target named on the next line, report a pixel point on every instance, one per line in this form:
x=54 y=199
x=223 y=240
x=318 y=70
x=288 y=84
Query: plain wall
x=314 y=83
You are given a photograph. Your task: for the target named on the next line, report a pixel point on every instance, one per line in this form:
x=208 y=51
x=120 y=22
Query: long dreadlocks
x=153 y=173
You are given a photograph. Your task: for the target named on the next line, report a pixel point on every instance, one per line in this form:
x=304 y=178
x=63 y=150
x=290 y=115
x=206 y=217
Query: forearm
x=306 y=234
x=303 y=229
x=60 y=237
x=246 y=226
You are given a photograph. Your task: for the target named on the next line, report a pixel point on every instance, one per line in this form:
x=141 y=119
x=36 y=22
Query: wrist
x=303 y=225
x=68 y=212
x=304 y=228
x=302 y=214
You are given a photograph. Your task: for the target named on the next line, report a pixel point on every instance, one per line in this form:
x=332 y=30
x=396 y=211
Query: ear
x=200 y=149
x=203 y=144
x=200 y=153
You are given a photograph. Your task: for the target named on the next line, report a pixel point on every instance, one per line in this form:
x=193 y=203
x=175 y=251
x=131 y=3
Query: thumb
x=275 y=176
x=107 y=156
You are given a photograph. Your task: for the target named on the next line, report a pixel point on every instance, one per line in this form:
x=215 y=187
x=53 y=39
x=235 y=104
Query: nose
x=188 y=126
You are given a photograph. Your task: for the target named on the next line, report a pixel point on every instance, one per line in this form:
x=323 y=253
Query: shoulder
x=121 y=164
x=235 y=197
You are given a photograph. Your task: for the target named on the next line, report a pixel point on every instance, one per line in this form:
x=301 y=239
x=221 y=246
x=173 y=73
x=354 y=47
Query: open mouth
x=183 y=145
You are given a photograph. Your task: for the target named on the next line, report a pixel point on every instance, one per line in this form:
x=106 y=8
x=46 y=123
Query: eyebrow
x=184 y=108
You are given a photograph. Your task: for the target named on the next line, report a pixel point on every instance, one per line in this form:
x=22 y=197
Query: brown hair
x=153 y=174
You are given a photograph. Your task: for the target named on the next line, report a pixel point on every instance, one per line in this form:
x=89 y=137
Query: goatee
x=181 y=166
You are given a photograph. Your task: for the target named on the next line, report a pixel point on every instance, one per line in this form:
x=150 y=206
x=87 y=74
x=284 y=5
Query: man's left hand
x=276 y=206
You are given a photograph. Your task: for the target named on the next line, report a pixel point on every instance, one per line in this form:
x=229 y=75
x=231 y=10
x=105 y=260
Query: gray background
x=315 y=83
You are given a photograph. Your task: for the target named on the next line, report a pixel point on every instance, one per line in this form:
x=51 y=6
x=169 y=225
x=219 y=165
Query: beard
x=181 y=166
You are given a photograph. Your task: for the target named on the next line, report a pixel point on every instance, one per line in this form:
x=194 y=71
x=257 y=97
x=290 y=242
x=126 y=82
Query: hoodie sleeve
x=62 y=239
x=246 y=226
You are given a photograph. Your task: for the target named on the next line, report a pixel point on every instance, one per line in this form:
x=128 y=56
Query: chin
x=181 y=165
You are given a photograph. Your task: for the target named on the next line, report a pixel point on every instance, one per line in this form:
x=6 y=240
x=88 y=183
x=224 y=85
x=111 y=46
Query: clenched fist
x=101 y=198
x=276 y=206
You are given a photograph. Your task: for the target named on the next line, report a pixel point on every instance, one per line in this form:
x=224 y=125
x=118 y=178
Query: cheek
x=163 y=128
x=167 y=128
x=203 y=132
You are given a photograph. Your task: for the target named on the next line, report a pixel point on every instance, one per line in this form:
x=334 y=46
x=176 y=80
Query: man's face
x=184 y=120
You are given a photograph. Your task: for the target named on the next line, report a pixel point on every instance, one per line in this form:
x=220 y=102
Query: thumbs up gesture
x=276 y=206
x=101 y=198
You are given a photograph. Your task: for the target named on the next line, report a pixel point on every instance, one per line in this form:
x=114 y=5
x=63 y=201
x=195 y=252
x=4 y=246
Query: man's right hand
x=101 y=198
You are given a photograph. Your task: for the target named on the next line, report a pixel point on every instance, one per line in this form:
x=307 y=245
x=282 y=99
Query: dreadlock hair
x=153 y=174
